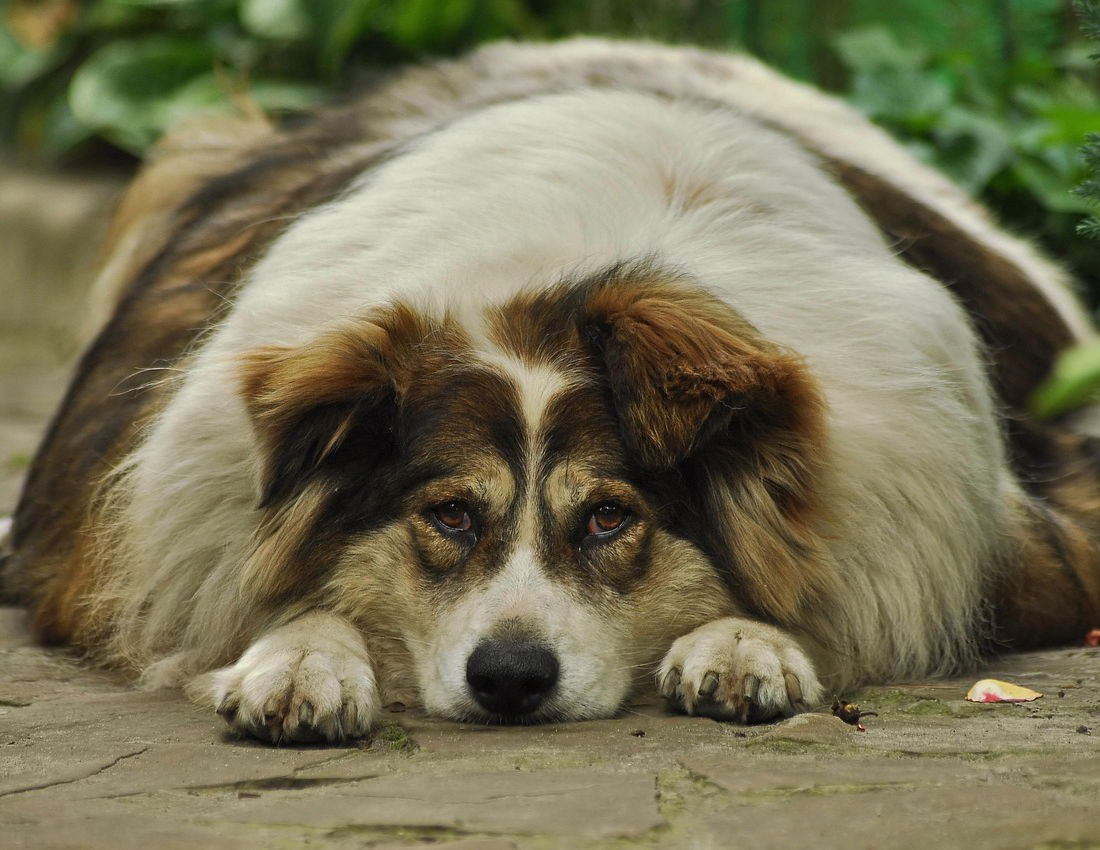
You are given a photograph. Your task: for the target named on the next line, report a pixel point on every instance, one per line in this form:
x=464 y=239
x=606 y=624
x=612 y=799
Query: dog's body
x=536 y=373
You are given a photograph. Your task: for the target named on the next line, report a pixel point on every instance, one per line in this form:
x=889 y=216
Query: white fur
x=733 y=650
x=594 y=676
x=310 y=678
x=525 y=194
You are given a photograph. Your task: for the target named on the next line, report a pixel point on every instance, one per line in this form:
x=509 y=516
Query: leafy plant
x=1089 y=190
x=124 y=70
x=1076 y=377
x=1009 y=137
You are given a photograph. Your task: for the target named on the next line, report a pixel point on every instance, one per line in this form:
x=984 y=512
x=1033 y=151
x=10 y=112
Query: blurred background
x=999 y=94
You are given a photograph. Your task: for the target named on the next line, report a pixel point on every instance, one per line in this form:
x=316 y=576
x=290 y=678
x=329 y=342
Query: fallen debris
x=994 y=690
x=849 y=712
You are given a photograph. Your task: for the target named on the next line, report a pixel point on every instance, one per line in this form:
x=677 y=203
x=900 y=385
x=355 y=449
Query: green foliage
x=1089 y=190
x=1076 y=377
x=1074 y=382
x=1010 y=136
x=124 y=70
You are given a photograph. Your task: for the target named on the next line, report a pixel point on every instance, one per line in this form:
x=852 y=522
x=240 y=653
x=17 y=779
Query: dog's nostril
x=509 y=678
x=481 y=684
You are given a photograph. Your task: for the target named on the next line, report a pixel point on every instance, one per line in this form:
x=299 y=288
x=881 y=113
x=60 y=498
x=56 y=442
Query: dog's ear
x=308 y=403
x=697 y=388
x=685 y=369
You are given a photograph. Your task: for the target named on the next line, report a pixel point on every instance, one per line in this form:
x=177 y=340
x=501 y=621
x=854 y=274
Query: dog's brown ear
x=307 y=403
x=685 y=369
x=697 y=387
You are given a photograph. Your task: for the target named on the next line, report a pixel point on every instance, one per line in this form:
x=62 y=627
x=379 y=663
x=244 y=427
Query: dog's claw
x=305 y=713
x=709 y=684
x=227 y=709
x=794 y=688
x=670 y=685
x=750 y=687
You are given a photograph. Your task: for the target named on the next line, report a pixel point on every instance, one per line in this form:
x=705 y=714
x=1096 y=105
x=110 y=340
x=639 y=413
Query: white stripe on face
x=537 y=384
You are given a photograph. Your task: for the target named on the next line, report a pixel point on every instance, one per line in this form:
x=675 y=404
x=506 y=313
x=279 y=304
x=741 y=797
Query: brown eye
x=453 y=516
x=606 y=518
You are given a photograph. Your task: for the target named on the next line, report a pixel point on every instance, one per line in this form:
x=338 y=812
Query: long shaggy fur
x=554 y=278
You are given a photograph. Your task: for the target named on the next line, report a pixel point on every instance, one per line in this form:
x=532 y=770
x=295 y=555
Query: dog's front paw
x=308 y=681
x=734 y=669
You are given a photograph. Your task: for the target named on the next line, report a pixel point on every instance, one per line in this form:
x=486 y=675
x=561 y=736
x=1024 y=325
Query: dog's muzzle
x=511 y=679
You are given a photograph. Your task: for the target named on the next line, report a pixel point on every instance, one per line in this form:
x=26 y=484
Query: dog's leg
x=736 y=669
x=1049 y=593
x=310 y=680
x=1048 y=589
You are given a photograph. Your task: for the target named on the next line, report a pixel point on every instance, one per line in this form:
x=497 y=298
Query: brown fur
x=713 y=411
x=686 y=374
x=1058 y=545
x=1050 y=593
x=177 y=285
x=1023 y=333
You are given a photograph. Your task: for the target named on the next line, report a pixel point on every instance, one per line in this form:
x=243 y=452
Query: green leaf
x=423 y=24
x=1074 y=381
x=126 y=89
x=1053 y=189
x=20 y=64
x=61 y=132
x=874 y=48
x=971 y=147
x=339 y=24
x=213 y=92
x=283 y=96
x=912 y=99
x=277 y=20
x=114 y=15
x=1070 y=123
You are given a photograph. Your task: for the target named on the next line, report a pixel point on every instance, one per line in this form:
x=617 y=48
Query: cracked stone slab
x=990 y=815
x=644 y=727
x=62 y=774
x=754 y=776
x=213 y=767
x=122 y=830
x=461 y=844
x=549 y=802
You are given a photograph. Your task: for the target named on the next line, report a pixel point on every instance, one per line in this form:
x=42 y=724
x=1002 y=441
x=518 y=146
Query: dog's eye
x=453 y=516
x=606 y=518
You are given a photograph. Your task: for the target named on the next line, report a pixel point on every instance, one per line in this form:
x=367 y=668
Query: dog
x=531 y=377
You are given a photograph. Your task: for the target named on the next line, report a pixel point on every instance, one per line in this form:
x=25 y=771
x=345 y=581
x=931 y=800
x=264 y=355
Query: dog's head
x=528 y=512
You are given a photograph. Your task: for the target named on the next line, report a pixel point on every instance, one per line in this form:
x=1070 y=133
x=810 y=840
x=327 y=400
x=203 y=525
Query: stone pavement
x=86 y=761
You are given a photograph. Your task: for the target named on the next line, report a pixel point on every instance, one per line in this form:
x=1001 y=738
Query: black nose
x=510 y=678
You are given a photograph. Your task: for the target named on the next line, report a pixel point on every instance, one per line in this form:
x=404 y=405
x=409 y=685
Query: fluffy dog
x=533 y=375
